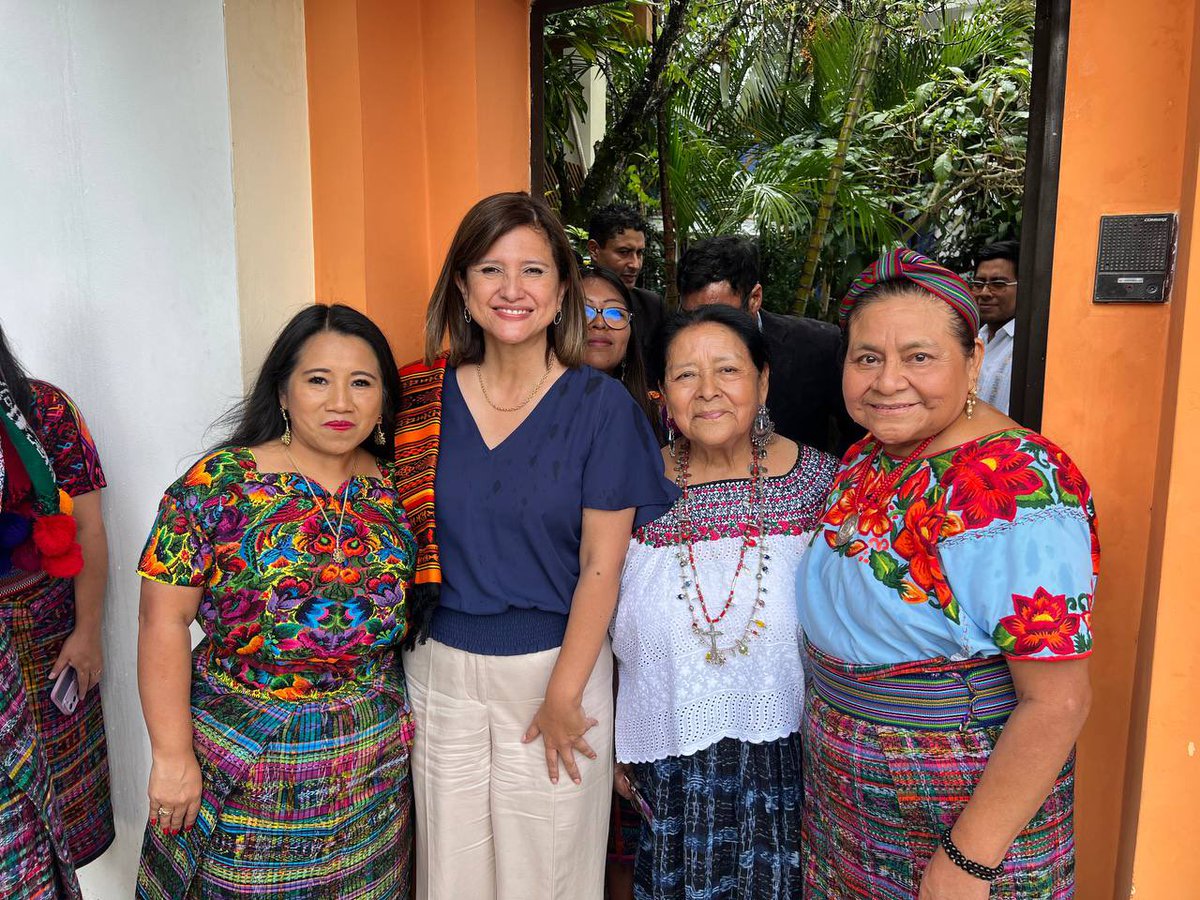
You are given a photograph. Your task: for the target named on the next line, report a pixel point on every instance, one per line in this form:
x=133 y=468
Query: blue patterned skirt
x=726 y=823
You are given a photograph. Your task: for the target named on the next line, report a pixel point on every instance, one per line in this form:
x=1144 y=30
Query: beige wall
x=272 y=178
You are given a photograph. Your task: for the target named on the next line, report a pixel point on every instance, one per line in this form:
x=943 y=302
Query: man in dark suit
x=617 y=241
x=804 y=391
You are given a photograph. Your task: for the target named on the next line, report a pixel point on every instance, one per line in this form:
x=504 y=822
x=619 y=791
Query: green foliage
x=936 y=159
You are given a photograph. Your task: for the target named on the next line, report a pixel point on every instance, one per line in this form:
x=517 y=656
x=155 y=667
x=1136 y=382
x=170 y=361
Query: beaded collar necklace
x=753 y=536
x=882 y=491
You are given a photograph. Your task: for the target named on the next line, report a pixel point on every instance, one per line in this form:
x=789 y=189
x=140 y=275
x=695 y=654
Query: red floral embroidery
x=1041 y=622
x=1070 y=480
x=917 y=543
x=988 y=478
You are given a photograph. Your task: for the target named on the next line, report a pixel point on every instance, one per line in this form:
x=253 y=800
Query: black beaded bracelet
x=979 y=870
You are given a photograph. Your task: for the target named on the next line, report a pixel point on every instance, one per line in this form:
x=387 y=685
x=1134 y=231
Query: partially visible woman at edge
x=614 y=338
x=541 y=469
x=614 y=347
x=52 y=602
x=947 y=605
x=711 y=680
x=280 y=745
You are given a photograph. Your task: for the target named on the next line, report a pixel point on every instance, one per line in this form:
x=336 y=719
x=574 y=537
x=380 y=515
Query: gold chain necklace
x=338 y=556
x=537 y=387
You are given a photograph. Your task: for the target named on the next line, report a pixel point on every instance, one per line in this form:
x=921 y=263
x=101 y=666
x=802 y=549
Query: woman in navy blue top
x=544 y=467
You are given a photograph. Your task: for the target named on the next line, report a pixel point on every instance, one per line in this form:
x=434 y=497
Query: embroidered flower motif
x=1041 y=622
x=988 y=478
x=1072 y=488
x=917 y=541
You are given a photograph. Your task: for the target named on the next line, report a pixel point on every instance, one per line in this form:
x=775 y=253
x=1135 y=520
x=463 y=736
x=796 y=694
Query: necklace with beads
x=537 y=387
x=753 y=536
x=882 y=491
x=339 y=556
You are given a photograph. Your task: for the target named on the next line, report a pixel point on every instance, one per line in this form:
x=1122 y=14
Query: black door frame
x=1052 y=19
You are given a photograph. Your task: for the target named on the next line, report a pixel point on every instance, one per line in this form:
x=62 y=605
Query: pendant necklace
x=753 y=535
x=882 y=491
x=339 y=557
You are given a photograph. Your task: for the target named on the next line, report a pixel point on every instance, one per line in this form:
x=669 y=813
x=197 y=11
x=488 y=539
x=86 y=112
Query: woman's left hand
x=81 y=650
x=562 y=726
x=943 y=880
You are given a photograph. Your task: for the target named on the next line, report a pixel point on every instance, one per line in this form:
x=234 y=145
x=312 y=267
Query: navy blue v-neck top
x=510 y=519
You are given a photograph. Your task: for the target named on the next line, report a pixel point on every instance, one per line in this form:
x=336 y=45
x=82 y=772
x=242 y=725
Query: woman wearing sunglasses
x=614 y=339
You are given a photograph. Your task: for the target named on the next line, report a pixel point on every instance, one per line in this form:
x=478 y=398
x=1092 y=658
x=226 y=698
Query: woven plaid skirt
x=40 y=614
x=302 y=800
x=34 y=863
x=726 y=823
x=879 y=793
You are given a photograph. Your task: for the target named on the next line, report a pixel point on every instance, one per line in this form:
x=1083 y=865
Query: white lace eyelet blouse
x=671 y=700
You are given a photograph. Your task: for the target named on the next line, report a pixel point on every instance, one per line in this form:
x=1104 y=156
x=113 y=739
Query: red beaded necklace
x=881 y=492
x=752 y=535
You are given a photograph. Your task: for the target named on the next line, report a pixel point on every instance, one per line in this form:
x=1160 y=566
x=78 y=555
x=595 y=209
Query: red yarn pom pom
x=54 y=535
x=64 y=565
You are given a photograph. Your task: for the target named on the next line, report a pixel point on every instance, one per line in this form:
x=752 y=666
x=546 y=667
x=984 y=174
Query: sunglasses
x=614 y=317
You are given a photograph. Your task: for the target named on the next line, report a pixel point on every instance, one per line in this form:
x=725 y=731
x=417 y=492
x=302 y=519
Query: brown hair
x=484 y=224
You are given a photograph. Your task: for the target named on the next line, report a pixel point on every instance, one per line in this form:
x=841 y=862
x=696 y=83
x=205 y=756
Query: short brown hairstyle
x=486 y=222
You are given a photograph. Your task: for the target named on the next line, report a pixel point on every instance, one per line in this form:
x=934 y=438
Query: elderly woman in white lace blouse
x=711 y=687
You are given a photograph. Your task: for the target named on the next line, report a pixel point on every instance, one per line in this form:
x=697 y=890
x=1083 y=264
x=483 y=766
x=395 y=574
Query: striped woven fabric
x=879 y=796
x=40 y=614
x=952 y=696
x=301 y=800
x=34 y=864
x=418 y=430
x=921 y=271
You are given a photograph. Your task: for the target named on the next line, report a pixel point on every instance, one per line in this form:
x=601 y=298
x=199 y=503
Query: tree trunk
x=837 y=167
x=670 y=287
x=627 y=133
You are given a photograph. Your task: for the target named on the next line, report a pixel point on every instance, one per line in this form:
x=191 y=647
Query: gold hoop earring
x=972 y=397
x=380 y=437
x=286 y=437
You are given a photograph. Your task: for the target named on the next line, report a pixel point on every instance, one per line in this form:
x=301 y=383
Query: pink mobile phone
x=65 y=693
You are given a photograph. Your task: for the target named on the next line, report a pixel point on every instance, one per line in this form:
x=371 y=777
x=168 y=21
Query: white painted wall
x=118 y=279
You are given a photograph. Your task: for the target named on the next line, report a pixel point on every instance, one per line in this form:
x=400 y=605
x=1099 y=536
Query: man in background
x=617 y=241
x=995 y=286
x=804 y=390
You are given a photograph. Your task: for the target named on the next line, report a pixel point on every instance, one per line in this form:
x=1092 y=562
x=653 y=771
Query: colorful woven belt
x=977 y=694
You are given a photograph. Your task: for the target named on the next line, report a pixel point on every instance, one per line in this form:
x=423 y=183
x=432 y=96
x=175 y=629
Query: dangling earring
x=763 y=429
x=286 y=437
x=971 y=398
x=466 y=313
x=380 y=437
x=671 y=435
x=558 y=316
x=621 y=371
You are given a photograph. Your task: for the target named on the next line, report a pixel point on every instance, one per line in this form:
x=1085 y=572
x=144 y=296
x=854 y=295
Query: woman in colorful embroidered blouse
x=947 y=604
x=541 y=467
x=711 y=682
x=287 y=774
x=53 y=604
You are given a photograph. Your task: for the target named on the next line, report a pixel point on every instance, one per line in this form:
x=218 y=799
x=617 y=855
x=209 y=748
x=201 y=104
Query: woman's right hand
x=621 y=773
x=174 y=791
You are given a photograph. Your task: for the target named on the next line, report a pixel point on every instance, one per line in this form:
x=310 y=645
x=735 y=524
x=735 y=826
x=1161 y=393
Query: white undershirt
x=995 y=376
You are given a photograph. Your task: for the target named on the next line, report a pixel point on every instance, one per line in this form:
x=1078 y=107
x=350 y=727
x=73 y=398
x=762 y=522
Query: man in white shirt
x=995 y=286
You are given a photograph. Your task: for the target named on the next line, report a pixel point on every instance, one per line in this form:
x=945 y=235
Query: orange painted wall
x=416 y=110
x=1125 y=149
x=1161 y=857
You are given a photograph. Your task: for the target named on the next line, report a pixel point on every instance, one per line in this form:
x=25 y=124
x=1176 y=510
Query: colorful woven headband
x=921 y=271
